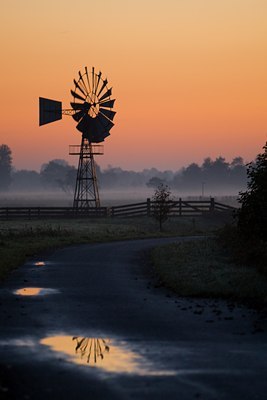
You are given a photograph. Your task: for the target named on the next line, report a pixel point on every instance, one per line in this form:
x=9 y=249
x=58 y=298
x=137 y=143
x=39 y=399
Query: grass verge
x=202 y=269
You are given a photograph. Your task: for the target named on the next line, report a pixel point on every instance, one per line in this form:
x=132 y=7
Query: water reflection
x=34 y=291
x=39 y=263
x=91 y=348
x=107 y=355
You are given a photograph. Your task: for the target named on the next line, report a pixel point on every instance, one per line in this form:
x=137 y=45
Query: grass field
x=202 y=269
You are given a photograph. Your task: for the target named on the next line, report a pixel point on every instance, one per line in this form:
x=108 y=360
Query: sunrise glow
x=189 y=78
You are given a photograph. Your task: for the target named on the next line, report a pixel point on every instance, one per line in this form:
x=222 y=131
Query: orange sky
x=189 y=77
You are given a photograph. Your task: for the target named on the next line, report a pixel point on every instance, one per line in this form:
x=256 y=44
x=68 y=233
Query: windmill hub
x=87 y=106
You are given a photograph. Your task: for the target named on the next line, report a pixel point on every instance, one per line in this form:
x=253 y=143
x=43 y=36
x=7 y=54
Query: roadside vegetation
x=202 y=268
x=233 y=264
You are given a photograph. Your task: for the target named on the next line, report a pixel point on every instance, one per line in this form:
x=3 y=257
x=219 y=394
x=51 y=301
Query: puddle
x=34 y=291
x=108 y=355
x=39 y=263
x=27 y=342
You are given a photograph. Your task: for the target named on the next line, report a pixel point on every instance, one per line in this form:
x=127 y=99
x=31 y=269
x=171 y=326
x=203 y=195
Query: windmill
x=91 y=108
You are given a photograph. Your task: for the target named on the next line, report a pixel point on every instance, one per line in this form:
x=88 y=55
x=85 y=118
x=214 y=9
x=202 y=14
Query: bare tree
x=162 y=204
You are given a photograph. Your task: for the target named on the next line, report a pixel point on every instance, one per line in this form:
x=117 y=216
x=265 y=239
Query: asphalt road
x=88 y=322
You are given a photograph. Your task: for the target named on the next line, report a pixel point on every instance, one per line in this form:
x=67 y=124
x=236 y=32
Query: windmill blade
x=77 y=116
x=77 y=96
x=107 y=113
x=98 y=80
x=77 y=106
x=93 y=79
x=95 y=129
x=106 y=134
x=105 y=123
x=87 y=77
x=91 y=128
x=81 y=79
x=107 y=104
x=84 y=124
x=105 y=82
x=98 y=139
x=107 y=94
x=79 y=87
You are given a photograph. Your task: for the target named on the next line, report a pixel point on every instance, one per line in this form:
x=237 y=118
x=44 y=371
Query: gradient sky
x=189 y=77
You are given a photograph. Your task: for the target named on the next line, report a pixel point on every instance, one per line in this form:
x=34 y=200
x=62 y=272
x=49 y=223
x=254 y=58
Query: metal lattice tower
x=86 y=191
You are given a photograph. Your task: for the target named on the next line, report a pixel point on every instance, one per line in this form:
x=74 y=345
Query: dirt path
x=99 y=329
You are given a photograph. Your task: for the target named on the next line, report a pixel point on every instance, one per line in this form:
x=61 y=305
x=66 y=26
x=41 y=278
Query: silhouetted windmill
x=91 y=108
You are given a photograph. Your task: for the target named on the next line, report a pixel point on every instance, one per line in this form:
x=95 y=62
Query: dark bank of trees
x=54 y=175
x=210 y=176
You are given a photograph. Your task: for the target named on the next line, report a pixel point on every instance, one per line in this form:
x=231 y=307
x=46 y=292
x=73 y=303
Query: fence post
x=212 y=204
x=180 y=207
x=148 y=207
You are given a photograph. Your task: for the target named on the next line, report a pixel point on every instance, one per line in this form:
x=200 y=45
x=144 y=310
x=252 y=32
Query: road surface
x=88 y=322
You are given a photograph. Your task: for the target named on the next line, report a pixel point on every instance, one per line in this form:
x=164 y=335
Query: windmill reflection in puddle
x=108 y=355
x=91 y=348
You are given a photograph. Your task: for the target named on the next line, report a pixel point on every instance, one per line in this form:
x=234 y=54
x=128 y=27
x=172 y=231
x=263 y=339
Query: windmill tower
x=91 y=108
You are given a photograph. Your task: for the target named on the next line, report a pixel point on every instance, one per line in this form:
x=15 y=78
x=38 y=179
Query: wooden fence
x=178 y=208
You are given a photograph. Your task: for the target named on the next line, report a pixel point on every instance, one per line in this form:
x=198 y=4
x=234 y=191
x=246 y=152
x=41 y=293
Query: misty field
x=111 y=197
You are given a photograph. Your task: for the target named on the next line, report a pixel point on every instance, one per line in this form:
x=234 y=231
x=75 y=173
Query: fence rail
x=177 y=208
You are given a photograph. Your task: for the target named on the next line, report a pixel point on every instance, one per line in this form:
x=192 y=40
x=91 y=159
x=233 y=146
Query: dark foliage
x=252 y=216
x=247 y=237
x=5 y=167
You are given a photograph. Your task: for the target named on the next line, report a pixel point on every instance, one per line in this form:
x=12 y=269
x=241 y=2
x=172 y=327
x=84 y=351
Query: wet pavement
x=87 y=322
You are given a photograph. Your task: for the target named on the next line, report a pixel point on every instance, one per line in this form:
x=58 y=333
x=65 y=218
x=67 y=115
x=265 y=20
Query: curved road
x=88 y=322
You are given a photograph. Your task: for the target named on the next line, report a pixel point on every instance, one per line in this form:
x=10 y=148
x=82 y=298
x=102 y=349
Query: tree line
x=57 y=174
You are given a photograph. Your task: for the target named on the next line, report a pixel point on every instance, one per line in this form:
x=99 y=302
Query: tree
x=58 y=174
x=192 y=176
x=25 y=180
x=252 y=216
x=154 y=182
x=5 y=167
x=162 y=204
